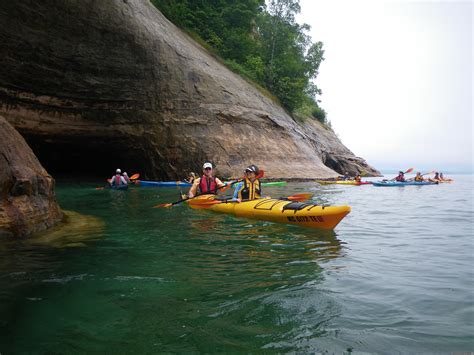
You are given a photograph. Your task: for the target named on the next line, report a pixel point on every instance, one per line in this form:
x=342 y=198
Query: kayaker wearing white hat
x=118 y=179
x=207 y=183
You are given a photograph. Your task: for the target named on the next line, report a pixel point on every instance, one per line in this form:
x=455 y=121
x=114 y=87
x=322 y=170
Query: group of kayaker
x=419 y=177
x=249 y=188
x=348 y=177
x=437 y=178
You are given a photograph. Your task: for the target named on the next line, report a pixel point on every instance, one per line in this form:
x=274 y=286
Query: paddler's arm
x=219 y=183
x=193 y=189
x=236 y=191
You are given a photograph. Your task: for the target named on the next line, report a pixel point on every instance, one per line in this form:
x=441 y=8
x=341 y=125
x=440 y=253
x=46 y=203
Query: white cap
x=207 y=165
x=125 y=173
x=118 y=171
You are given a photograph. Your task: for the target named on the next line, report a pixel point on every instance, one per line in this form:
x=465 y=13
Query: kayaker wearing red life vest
x=400 y=177
x=250 y=188
x=118 y=179
x=207 y=183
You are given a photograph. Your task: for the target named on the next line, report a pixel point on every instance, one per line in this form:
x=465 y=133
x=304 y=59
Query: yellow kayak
x=279 y=211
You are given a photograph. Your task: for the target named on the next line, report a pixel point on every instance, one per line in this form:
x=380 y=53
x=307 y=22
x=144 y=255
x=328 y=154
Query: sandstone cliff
x=27 y=200
x=96 y=85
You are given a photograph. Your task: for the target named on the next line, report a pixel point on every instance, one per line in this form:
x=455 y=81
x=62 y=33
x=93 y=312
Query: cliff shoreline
x=94 y=86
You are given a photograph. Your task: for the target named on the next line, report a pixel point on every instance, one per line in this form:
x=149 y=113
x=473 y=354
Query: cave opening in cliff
x=79 y=159
x=334 y=164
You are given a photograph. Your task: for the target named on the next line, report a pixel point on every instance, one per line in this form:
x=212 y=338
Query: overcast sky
x=397 y=79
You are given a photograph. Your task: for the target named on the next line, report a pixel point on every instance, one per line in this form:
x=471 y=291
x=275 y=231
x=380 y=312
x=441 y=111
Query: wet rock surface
x=96 y=85
x=27 y=200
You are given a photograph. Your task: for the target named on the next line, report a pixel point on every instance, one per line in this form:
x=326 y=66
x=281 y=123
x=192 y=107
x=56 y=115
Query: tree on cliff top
x=261 y=42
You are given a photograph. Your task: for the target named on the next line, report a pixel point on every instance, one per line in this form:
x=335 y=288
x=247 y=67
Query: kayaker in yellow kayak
x=358 y=178
x=250 y=188
x=207 y=183
x=442 y=178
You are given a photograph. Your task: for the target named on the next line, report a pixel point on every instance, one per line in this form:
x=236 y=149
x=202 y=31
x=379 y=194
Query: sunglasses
x=208 y=169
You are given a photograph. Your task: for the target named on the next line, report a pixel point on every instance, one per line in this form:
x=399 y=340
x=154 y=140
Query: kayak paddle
x=299 y=197
x=222 y=188
x=205 y=203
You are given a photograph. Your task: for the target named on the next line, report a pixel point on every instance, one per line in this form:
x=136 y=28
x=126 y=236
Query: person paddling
x=400 y=177
x=419 y=177
x=442 y=178
x=207 y=183
x=118 y=179
x=191 y=178
x=250 y=188
x=125 y=176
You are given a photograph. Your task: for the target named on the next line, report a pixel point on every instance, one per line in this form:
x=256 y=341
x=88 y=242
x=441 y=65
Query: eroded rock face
x=96 y=85
x=27 y=200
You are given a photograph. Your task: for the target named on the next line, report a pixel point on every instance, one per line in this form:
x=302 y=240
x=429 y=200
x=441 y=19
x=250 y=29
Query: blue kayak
x=399 y=183
x=162 y=183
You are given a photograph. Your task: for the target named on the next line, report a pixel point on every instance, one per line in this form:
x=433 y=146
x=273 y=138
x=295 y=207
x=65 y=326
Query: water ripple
x=395 y=276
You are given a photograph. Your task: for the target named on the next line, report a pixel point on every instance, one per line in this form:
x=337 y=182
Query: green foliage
x=260 y=41
x=319 y=114
x=311 y=109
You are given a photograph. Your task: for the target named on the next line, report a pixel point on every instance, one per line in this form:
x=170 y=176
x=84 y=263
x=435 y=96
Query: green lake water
x=396 y=276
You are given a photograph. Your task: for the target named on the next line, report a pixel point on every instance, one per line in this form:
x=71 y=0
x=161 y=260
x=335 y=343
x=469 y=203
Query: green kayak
x=274 y=183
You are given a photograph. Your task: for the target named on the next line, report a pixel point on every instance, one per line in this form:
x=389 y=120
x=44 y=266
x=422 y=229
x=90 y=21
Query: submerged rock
x=75 y=231
x=27 y=200
x=96 y=85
